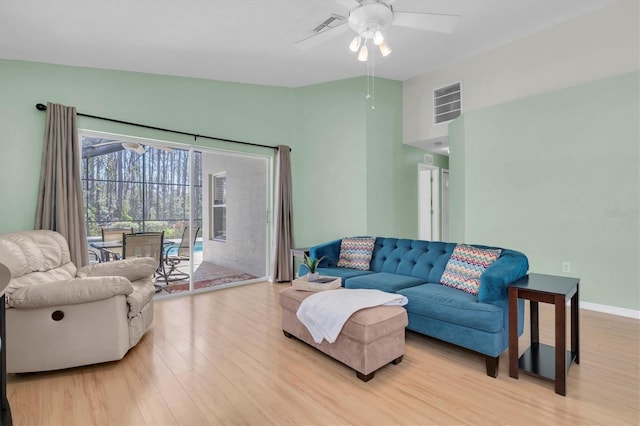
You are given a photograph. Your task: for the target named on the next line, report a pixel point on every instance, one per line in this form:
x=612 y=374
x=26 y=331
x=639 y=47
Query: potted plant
x=312 y=264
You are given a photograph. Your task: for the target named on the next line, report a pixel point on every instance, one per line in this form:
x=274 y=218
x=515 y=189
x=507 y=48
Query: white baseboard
x=614 y=310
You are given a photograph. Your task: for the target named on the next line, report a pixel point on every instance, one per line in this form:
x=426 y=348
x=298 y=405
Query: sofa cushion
x=450 y=305
x=383 y=281
x=356 y=252
x=466 y=265
x=343 y=273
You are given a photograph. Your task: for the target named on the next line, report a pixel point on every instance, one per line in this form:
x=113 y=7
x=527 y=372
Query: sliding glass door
x=210 y=206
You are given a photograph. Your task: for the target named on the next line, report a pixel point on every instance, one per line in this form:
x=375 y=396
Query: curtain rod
x=43 y=107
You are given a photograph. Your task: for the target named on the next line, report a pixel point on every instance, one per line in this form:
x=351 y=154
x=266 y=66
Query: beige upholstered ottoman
x=370 y=339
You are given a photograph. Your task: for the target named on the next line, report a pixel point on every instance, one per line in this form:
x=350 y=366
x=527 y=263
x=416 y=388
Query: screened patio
x=151 y=188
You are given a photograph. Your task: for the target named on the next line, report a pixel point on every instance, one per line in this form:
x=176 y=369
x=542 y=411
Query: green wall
x=557 y=177
x=335 y=138
x=234 y=111
x=392 y=168
x=354 y=174
x=457 y=179
x=329 y=162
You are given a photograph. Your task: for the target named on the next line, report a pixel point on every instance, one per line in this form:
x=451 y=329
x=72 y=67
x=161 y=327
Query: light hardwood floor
x=221 y=358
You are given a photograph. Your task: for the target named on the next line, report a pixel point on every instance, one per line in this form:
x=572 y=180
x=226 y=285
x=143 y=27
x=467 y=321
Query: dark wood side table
x=543 y=360
x=297 y=252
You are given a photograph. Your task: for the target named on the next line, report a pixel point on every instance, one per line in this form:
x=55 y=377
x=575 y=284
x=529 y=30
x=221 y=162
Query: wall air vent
x=447 y=103
x=428 y=159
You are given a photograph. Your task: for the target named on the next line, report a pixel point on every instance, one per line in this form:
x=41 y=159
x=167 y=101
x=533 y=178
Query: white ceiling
x=251 y=41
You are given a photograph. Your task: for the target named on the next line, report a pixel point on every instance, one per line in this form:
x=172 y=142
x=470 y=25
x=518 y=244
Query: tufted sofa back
x=422 y=259
x=415 y=258
x=35 y=257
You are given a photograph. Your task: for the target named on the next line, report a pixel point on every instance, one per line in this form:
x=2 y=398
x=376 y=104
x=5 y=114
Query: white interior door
x=428 y=202
x=445 y=205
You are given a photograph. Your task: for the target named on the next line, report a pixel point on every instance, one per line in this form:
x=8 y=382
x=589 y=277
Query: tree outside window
x=148 y=191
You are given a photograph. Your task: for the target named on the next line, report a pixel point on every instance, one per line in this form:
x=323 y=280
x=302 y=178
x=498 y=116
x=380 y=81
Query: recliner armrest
x=69 y=292
x=133 y=269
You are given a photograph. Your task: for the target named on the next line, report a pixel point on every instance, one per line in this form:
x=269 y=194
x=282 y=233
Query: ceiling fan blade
x=133 y=146
x=97 y=145
x=160 y=147
x=426 y=21
x=322 y=36
x=348 y=4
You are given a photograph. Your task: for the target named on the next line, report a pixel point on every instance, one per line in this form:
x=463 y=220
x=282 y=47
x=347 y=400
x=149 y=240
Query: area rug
x=174 y=288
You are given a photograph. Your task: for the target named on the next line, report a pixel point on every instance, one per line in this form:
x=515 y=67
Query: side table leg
x=575 y=328
x=293 y=271
x=513 y=333
x=561 y=345
x=533 y=314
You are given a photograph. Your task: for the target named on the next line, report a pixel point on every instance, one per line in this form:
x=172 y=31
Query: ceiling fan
x=368 y=18
x=133 y=146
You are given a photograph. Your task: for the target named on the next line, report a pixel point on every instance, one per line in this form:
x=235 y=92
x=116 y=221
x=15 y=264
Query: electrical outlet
x=566 y=267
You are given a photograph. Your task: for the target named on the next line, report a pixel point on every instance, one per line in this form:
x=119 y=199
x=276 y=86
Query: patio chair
x=172 y=261
x=143 y=244
x=114 y=234
x=95 y=256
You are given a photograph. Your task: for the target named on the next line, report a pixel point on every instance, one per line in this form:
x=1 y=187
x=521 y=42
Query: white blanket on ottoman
x=325 y=313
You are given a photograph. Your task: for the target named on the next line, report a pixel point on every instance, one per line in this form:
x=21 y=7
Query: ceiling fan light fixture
x=385 y=50
x=134 y=146
x=371 y=16
x=378 y=38
x=355 y=44
x=363 y=55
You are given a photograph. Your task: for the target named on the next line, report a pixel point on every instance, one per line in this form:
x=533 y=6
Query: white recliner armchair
x=58 y=316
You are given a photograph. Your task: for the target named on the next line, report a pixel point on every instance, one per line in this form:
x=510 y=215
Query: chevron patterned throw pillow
x=466 y=265
x=356 y=252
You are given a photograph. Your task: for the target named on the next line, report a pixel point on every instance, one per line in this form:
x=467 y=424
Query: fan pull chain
x=368 y=67
x=368 y=95
x=373 y=76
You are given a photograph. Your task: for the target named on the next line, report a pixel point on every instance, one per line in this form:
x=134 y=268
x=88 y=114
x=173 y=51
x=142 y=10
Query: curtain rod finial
x=41 y=107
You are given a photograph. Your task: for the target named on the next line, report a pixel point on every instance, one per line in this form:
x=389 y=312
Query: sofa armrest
x=132 y=269
x=69 y=292
x=509 y=267
x=330 y=251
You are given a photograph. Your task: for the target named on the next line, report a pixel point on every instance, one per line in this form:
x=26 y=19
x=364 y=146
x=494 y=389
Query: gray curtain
x=60 y=194
x=283 y=222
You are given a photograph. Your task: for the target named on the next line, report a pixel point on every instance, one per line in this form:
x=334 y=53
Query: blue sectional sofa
x=414 y=267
